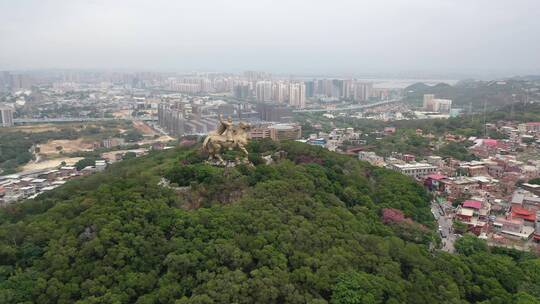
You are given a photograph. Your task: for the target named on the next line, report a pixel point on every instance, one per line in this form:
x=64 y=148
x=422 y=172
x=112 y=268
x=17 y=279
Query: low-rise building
x=513 y=228
x=531 y=187
x=529 y=127
x=415 y=170
x=280 y=131
x=6 y=116
x=285 y=131
x=434 y=160
x=101 y=165
x=372 y=158
x=434 y=182
x=259 y=133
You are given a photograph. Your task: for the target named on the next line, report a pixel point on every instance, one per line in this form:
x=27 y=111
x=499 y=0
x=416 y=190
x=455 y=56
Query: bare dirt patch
x=36 y=128
x=163 y=139
x=51 y=163
x=144 y=128
x=122 y=114
x=68 y=146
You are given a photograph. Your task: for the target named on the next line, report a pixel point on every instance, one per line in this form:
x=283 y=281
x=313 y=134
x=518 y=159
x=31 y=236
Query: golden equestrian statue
x=226 y=136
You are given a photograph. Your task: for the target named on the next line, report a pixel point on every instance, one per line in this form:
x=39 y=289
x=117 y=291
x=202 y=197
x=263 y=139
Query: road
x=73 y=119
x=349 y=108
x=445 y=227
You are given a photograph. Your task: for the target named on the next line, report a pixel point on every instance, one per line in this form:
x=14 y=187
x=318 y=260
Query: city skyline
x=305 y=37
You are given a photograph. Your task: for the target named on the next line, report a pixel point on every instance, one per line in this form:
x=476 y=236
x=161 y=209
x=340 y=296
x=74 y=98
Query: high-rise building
x=274 y=112
x=20 y=82
x=6 y=117
x=310 y=88
x=4 y=80
x=171 y=119
x=256 y=76
x=362 y=91
x=302 y=96
x=263 y=91
x=241 y=90
x=348 y=89
x=442 y=105
x=294 y=92
x=324 y=87
x=280 y=92
x=297 y=95
x=433 y=104
x=428 y=102
x=337 y=88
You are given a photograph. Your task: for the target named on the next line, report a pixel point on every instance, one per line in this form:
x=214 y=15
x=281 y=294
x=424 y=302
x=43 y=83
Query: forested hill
x=305 y=229
x=467 y=93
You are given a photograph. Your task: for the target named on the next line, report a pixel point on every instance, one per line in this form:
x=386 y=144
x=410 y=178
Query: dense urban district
x=359 y=190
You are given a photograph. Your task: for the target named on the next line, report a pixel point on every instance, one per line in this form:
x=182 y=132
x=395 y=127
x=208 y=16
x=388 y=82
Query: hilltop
x=311 y=226
x=465 y=93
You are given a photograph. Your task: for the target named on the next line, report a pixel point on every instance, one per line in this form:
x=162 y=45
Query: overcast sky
x=293 y=36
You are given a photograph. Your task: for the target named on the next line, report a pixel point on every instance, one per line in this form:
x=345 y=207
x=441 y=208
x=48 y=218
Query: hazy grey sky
x=297 y=36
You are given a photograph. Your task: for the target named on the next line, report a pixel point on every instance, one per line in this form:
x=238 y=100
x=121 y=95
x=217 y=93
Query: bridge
x=74 y=119
x=350 y=108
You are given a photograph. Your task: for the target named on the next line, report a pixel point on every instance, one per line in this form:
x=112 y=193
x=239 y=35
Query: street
x=444 y=222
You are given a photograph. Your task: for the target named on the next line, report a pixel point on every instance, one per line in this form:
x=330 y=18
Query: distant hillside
x=528 y=77
x=470 y=92
x=312 y=227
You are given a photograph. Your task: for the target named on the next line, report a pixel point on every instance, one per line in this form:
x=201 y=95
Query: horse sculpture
x=227 y=136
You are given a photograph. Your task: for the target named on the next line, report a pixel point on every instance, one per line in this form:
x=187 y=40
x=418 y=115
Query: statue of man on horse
x=226 y=136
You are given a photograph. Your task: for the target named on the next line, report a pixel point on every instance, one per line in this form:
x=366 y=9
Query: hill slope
x=464 y=94
x=304 y=229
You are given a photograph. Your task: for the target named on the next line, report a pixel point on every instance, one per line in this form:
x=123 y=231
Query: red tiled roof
x=536 y=123
x=472 y=204
x=436 y=176
x=356 y=149
x=490 y=142
x=520 y=212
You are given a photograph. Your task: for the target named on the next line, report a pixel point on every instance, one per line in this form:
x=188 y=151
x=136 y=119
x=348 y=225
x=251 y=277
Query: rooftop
x=490 y=142
x=283 y=126
x=414 y=166
x=436 y=176
x=519 y=212
x=466 y=211
x=472 y=204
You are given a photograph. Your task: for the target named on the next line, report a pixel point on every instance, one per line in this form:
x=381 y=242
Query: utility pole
x=512 y=111
x=526 y=101
x=485 y=127
x=470 y=112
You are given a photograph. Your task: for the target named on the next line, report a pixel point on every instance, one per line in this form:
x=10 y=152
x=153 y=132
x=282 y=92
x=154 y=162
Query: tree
x=129 y=155
x=289 y=232
x=469 y=244
x=459 y=227
x=85 y=162
x=133 y=136
x=535 y=181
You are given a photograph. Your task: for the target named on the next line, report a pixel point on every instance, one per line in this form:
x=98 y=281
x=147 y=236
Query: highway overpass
x=350 y=108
